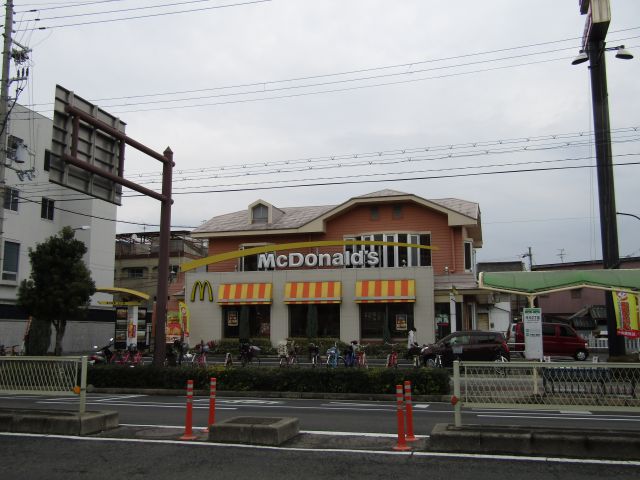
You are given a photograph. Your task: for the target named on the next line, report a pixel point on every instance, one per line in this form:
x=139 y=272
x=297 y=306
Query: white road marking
x=312 y=432
x=421 y=405
x=581 y=461
x=158 y=405
x=596 y=419
x=116 y=398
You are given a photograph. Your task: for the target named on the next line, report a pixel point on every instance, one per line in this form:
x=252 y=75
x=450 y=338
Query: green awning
x=536 y=283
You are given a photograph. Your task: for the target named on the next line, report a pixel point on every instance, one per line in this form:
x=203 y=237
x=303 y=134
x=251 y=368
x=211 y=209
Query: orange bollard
x=409 y=411
x=402 y=443
x=212 y=404
x=188 y=428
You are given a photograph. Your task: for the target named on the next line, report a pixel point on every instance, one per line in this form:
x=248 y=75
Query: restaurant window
x=258 y=318
x=374 y=213
x=250 y=262
x=396 y=212
x=327 y=320
x=385 y=321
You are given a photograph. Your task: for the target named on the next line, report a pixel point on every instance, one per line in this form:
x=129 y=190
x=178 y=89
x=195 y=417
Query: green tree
x=59 y=287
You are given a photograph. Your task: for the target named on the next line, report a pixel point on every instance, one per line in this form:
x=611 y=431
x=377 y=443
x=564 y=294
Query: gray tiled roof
x=292 y=217
x=296 y=217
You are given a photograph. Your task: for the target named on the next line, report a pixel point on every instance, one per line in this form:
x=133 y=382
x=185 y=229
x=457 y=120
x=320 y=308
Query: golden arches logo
x=202 y=286
x=221 y=257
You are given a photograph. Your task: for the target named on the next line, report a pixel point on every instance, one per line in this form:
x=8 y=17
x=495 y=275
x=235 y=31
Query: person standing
x=411 y=339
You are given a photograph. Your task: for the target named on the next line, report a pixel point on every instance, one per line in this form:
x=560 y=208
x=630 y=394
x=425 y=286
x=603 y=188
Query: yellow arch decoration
x=128 y=291
x=221 y=257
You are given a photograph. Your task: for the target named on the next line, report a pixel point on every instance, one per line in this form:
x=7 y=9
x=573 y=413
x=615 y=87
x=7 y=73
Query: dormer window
x=260 y=214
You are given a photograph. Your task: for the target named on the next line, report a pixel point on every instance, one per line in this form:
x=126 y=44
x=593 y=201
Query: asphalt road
x=323 y=415
x=152 y=449
x=54 y=458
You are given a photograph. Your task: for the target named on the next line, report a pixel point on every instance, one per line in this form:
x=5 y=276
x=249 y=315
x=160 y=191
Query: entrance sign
x=532 y=323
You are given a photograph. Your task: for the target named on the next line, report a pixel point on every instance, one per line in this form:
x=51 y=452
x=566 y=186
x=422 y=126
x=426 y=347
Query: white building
x=34 y=210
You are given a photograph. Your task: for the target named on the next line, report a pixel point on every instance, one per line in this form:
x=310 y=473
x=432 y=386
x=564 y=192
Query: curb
x=535 y=441
x=289 y=395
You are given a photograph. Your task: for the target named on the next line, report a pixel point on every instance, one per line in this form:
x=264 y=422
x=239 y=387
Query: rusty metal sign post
x=69 y=122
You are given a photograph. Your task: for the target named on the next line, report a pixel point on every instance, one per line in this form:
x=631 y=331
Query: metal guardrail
x=58 y=376
x=566 y=386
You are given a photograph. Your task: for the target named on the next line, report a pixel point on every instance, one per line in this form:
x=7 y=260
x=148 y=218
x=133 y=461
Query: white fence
x=45 y=376
x=632 y=345
x=566 y=386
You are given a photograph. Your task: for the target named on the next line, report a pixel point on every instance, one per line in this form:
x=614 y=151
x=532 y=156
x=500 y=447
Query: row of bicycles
x=354 y=355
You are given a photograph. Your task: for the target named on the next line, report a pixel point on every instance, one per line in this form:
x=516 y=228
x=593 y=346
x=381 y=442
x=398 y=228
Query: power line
x=359 y=181
x=58 y=7
x=399 y=151
x=86 y=14
x=344 y=73
x=151 y=15
x=44 y=188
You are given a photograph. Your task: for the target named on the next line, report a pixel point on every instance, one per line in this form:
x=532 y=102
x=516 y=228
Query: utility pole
x=4 y=111
x=561 y=254
x=598 y=18
x=530 y=255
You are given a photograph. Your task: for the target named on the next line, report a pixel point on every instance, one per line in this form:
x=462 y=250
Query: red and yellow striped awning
x=385 y=291
x=244 y=294
x=312 y=292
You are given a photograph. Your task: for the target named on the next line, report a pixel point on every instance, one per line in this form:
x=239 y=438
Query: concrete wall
x=27 y=228
x=80 y=337
x=207 y=321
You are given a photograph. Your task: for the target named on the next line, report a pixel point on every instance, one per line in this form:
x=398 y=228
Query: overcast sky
x=297 y=92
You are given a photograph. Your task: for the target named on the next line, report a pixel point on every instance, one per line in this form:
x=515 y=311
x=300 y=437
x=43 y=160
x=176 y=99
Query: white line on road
x=593 y=419
x=329 y=450
x=120 y=397
x=159 y=405
x=312 y=432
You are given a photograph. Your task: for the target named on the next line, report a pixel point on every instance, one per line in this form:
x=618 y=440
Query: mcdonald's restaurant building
x=368 y=269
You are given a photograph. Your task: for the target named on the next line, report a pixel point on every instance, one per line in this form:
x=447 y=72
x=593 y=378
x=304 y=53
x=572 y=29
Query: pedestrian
x=411 y=340
x=412 y=345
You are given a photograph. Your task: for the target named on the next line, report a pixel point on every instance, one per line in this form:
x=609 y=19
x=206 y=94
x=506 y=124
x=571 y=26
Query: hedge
x=425 y=381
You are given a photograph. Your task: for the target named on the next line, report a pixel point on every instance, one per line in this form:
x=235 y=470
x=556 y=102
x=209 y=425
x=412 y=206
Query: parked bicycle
x=14 y=350
x=228 y=360
x=288 y=353
x=361 y=356
x=392 y=357
x=249 y=354
x=434 y=361
x=333 y=356
x=199 y=358
x=314 y=354
x=131 y=357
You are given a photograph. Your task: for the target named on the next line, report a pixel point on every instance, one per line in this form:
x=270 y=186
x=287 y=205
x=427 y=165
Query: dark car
x=473 y=345
x=558 y=339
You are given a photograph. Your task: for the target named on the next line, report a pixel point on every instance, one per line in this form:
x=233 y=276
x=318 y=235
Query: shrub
x=319 y=380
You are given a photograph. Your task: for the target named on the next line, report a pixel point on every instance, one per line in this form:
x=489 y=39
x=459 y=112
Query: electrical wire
x=148 y=7
x=151 y=15
x=359 y=181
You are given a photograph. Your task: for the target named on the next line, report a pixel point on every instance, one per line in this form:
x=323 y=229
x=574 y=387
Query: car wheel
x=581 y=355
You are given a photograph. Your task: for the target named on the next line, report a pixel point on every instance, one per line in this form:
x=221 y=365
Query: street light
x=593 y=48
x=83 y=227
x=628 y=215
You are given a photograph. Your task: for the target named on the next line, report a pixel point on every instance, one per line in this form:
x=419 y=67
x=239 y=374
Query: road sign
x=97 y=148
